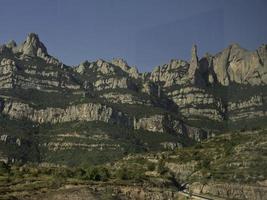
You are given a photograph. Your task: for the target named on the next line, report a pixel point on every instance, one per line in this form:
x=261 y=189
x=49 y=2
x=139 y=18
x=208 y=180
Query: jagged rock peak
x=194 y=57
x=194 y=72
x=121 y=63
x=11 y=44
x=33 y=46
x=193 y=62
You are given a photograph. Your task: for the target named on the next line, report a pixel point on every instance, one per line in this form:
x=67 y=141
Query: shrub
x=63 y=173
x=161 y=167
x=98 y=174
x=151 y=166
x=123 y=174
x=130 y=174
x=4 y=168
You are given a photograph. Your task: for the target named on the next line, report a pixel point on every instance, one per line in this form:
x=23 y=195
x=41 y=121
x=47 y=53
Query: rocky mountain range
x=50 y=111
x=187 y=128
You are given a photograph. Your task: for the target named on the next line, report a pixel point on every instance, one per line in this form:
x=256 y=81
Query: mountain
x=115 y=133
x=55 y=111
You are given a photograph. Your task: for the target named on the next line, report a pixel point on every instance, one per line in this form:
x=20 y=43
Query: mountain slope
x=110 y=109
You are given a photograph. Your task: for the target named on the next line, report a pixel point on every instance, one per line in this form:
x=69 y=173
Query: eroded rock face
x=166 y=123
x=170 y=74
x=111 y=83
x=196 y=102
x=81 y=112
x=153 y=123
x=194 y=69
x=125 y=99
x=186 y=89
x=7 y=70
x=235 y=64
x=253 y=107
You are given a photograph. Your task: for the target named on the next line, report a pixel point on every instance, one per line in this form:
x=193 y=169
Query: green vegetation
x=237 y=157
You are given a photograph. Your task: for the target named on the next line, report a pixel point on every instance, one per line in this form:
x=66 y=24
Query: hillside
x=228 y=166
x=109 y=106
x=198 y=124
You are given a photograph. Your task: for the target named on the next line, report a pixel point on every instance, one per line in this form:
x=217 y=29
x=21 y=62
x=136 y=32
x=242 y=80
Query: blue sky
x=146 y=33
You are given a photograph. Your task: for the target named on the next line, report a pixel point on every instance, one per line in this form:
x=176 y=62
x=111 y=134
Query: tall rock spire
x=194 y=58
x=194 y=65
x=194 y=69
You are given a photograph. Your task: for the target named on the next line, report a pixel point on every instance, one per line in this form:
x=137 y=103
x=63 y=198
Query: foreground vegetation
x=229 y=158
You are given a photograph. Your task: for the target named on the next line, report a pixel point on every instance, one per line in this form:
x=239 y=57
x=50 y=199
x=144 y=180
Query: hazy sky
x=146 y=33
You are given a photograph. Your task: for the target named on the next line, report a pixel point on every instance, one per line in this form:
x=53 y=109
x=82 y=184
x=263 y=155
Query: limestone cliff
x=184 y=101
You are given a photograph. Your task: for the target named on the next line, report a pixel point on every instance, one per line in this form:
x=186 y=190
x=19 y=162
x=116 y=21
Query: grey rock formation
x=187 y=100
x=33 y=46
x=238 y=65
x=194 y=74
x=81 y=112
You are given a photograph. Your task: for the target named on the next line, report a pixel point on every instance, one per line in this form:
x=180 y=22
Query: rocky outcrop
x=80 y=112
x=153 y=123
x=34 y=77
x=131 y=71
x=125 y=99
x=195 y=102
x=237 y=65
x=187 y=90
x=10 y=140
x=7 y=70
x=251 y=108
x=33 y=46
x=166 y=123
x=194 y=73
x=111 y=83
x=173 y=73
